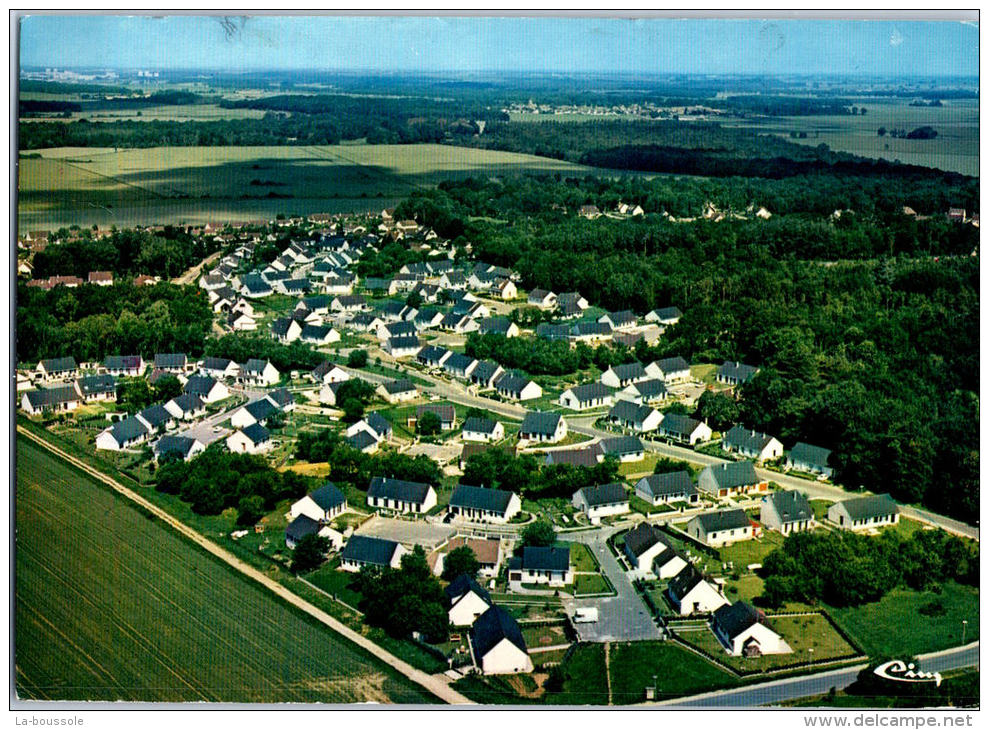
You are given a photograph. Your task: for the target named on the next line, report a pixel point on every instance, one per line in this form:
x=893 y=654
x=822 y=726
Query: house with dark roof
x=122 y=435
x=600 y=501
x=553 y=332
x=377 y=552
x=543 y=427
x=179 y=447
x=478 y=504
x=400 y=496
x=517 y=387
x=373 y=423
x=684 y=429
x=623 y=320
x=253 y=439
x=240 y=321
x=751 y=443
x=467 y=600
x=690 y=593
x=496 y=644
x=398 y=391
x=446 y=414
x=258 y=372
x=302 y=526
x=585 y=456
x=254 y=412
x=156 y=417
x=675 y=486
x=171 y=362
x=590 y=332
x=743 y=631
x=97 y=388
x=127 y=365
x=621 y=376
x=329 y=372
x=322 y=504
x=638 y=418
x=186 y=407
x=786 y=512
x=363 y=441
x=670 y=370
x=208 y=388
x=365 y=322
x=735 y=373
x=433 y=356
x=459 y=366
x=724 y=527
x=548 y=565
x=623 y=448
x=315 y=334
x=485 y=374
x=282 y=399
x=482 y=429
x=498 y=326
x=542 y=298
x=219 y=367
x=864 y=513
x=664 y=315
x=399 y=347
x=57 y=368
x=650 y=554
x=402 y=328
x=61 y=398
x=645 y=392
x=729 y=479
x=286 y=330
x=810 y=459
x=584 y=397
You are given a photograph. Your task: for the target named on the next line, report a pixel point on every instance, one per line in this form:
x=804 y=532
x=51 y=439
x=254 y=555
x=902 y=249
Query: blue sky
x=928 y=48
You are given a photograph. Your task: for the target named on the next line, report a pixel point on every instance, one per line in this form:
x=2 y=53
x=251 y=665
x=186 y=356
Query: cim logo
x=899 y=671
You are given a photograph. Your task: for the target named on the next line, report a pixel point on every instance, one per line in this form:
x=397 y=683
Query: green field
x=678 y=672
x=112 y=605
x=197 y=184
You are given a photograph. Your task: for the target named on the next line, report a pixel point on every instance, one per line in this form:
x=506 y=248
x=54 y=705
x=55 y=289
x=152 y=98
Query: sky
x=450 y=44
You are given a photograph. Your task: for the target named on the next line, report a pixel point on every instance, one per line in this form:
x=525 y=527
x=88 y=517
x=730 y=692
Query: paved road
x=784 y=690
x=439 y=688
x=624 y=617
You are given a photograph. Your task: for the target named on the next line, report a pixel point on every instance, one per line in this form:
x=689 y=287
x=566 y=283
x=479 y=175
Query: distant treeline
x=26 y=107
x=28 y=86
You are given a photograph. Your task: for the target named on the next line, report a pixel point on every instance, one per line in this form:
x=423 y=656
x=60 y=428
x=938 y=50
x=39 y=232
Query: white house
x=729 y=479
x=207 y=388
x=362 y=550
x=254 y=439
x=497 y=645
x=650 y=555
x=255 y=412
x=584 y=397
x=258 y=372
x=752 y=444
x=676 y=486
x=721 y=528
x=322 y=504
x=515 y=387
x=467 y=601
x=482 y=429
x=638 y=418
x=742 y=631
x=604 y=500
x=690 y=593
x=810 y=459
x=328 y=372
x=400 y=495
x=621 y=376
x=543 y=427
x=122 y=435
x=550 y=565
x=219 y=367
x=478 y=504
x=684 y=429
x=186 y=407
x=864 y=513
x=786 y=512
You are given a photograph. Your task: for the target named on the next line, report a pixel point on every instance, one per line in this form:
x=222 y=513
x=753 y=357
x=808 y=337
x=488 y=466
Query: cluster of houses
x=484 y=375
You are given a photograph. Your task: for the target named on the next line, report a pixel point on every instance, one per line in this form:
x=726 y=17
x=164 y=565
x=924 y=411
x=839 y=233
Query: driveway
x=407 y=532
x=624 y=617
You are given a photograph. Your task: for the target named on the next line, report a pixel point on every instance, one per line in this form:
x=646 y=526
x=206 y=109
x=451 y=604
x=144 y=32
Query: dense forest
x=865 y=326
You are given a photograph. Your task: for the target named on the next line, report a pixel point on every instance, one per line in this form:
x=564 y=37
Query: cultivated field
x=124 y=187
x=112 y=605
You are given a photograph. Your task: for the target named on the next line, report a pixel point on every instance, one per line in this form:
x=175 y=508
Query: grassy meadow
x=112 y=605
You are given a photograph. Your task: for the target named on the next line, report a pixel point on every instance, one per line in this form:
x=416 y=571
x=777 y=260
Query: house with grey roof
x=482 y=429
x=479 y=504
x=735 y=373
x=786 y=512
x=486 y=373
x=684 y=429
x=363 y=441
x=621 y=376
x=258 y=372
x=253 y=439
x=303 y=526
x=675 y=486
x=322 y=504
x=743 y=631
x=670 y=370
x=864 y=513
x=645 y=392
x=517 y=387
x=553 y=332
x=751 y=444
x=400 y=496
x=156 y=417
x=603 y=500
x=446 y=413
x=664 y=315
x=57 y=368
x=584 y=397
x=550 y=565
x=397 y=391
x=650 y=554
x=622 y=320
x=171 y=362
x=286 y=330
x=206 y=387
x=179 y=447
x=638 y=418
x=591 y=332
x=689 y=593
x=467 y=600
x=459 y=366
x=543 y=427
x=399 y=347
x=128 y=365
x=51 y=400
x=219 y=367
x=729 y=479
x=97 y=388
x=586 y=456
x=721 y=528
x=622 y=448
x=497 y=645
x=186 y=407
x=810 y=459
x=123 y=435
x=254 y=412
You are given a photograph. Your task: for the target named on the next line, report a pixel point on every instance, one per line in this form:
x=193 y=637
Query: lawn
x=751 y=551
x=640 y=505
x=589 y=585
x=678 y=672
x=335 y=582
x=199 y=184
x=895 y=625
x=581 y=558
x=704 y=373
x=538 y=636
x=113 y=605
x=820 y=507
x=585 y=681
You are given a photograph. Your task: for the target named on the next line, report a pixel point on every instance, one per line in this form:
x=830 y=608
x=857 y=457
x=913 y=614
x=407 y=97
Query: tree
x=414 y=300
x=429 y=424
x=357 y=359
x=167 y=387
x=882 y=131
x=719 y=410
x=538 y=534
x=309 y=553
x=353 y=410
x=250 y=510
x=460 y=561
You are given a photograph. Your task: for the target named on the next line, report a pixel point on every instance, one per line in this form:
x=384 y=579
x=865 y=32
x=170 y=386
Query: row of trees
x=523 y=475
x=348 y=465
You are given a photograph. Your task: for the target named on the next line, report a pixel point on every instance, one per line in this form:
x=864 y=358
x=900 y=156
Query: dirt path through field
x=431 y=684
x=189 y=276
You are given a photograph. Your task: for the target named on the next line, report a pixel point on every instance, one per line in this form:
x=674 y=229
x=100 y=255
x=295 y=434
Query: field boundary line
x=440 y=689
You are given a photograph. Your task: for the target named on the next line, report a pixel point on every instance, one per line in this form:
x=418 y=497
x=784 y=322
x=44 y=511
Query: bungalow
x=459 y=366
x=552 y=332
x=302 y=526
x=543 y=427
x=320 y=304
x=446 y=414
x=100 y=278
x=589 y=211
x=58 y=368
x=396 y=329
x=487 y=551
x=504 y=289
x=57 y=399
x=486 y=373
x=591 y=332
x=219 y=367
x=643 y=546
x=328 y=372
x=186 y=407
x=328 y=393
x=498 y=326
x=572 y=299
x=584 y=397
x=601 y=501
x=621 y=376
x=294 y=286
x=206 y=387
x=254 y=286
x=432 y=356
x=729 y=479
x=482 y=429
x=721 y=528
x=751 y=443
x=623 y=448
x=811 y=459
x=181 y=447
x=129 y=365
x=399 y=347
x=171 y=362
x=400 y=495
x=242 y=322
x=467 y=601
x=397 y=391
x=786 y=512
x=97 y=388
x=459 y=323
x=209 y=282
x=675 y=486
x=542 y=299
x=255 y=412
x=689 y=593
x=623 y=320
x=517 y=387
x=742 y=630
x=365 y=322
x=586 y=456
x=286 y=330
x=541 y=565
x=864 y=513
x=321 y=505
x=156 y=418
x=123 y=434
x=735 y=373
x=319 y=335
x=664 y=315
x=363 y=442
x=484 y=505
x=497 y=645
x=348 y=303
x=253 y=439
x=454 y=280
x=684 y=429
x=641 y=419
x=373 y=423
x=427 y=319
x=645 y=391
x=670 y=370
x=258 y=372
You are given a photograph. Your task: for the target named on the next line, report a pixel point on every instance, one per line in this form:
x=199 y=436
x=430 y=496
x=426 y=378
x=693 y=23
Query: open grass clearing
x=677 y=672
